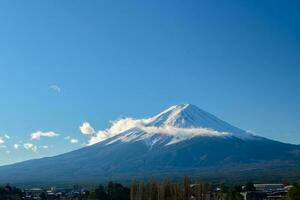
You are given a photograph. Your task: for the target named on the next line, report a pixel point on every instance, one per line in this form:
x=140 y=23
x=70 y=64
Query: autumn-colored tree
x=143 y=191
x=152 y=190
x=161 y=192
x=133 y=190
x=168 y=190
x=176 y=192
x=186 y=188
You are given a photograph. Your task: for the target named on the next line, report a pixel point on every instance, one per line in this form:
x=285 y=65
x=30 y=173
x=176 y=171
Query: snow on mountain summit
x=190 y=116
x=175 y=124
x=184 y=116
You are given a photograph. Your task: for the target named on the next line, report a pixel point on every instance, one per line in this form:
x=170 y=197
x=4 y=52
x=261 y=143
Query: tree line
x=10 y=193
x=153 y=190
x=112 y=191
x=168 y=190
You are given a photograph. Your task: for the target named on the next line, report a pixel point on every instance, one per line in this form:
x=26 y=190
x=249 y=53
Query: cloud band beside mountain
x=125 y=124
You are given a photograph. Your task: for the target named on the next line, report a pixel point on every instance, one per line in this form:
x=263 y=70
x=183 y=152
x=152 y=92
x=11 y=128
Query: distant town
x=152 y=190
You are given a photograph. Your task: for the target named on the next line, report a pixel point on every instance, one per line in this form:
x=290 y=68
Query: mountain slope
x=181 y=140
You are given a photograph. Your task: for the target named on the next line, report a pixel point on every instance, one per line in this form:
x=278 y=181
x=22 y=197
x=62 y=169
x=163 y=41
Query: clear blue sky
x=239 y=60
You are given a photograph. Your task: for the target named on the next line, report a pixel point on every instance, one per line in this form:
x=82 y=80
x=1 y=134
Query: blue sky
x=66 y=62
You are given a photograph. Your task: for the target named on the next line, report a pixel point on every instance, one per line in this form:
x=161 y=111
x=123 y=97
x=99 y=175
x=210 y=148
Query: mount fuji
x=182 y=140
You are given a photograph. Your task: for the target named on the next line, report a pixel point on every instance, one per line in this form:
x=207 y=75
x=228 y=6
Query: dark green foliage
x=99 y=193
x=224 y=188
x=235 y=193
x=10 y=193
x=113 y=191
x=117 y=191
x=249 y=187
x=43 y=196
x=294 y=193
x=238 y=188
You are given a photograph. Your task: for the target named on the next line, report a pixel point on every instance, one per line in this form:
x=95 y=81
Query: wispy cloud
x=74 y=141
x=7 y=136
x=87 y=129
x=55 y=88
x=71 y=140
x=2 y=140
x=67 y=137
x=39 y=134
x=30 y=146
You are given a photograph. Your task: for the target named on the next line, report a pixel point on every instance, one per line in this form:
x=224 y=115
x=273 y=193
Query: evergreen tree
x=294 y=193
x=100 y=193
x=43 y=196
x=249 y=187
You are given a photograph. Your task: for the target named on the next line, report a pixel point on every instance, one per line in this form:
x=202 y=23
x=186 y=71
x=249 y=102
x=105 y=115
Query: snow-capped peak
x=182 y=115
x=190 y=116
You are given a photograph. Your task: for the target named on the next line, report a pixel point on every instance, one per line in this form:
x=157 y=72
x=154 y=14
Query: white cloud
x=55 y=88
x=116 y=127
x=87 y=129
x=125 y=124
x=71 y=140
x=30 y=146
x=37 y=135
x=2 y=140
x=74 y=141
x=8 y=152
x=34 y=149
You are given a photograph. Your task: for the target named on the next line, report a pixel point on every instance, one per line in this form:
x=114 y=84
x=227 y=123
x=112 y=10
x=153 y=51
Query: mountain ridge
x=182 y=140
